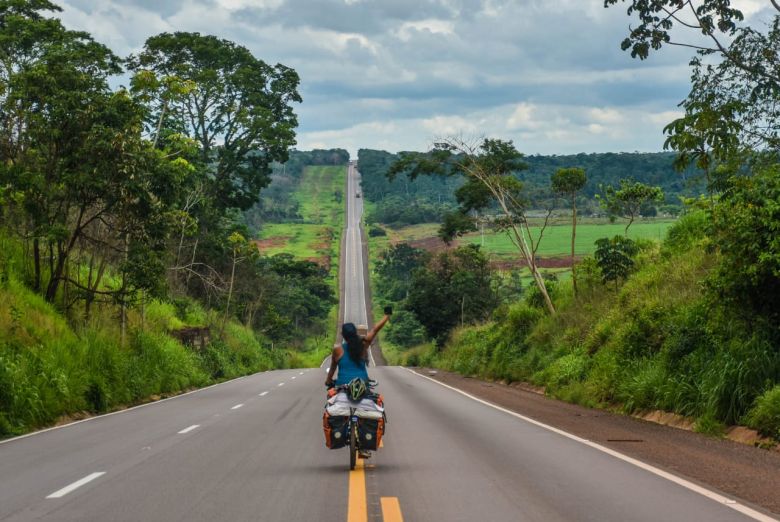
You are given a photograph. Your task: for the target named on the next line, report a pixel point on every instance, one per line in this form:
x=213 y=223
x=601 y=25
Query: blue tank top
x=348 y=369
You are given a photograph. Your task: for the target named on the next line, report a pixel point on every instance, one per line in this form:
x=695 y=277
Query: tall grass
x=49 y=370
x=660 y=342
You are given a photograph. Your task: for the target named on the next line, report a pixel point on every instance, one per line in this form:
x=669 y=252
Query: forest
x=126 y=267
x=403 y=201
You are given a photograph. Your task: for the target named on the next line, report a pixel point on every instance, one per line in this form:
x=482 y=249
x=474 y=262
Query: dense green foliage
x=277 y=203
x=435 y=195
x=615 y=258
x=402 y=201
x=48 y=369
x=120 y=218
x=659 y=343
x=434 y=293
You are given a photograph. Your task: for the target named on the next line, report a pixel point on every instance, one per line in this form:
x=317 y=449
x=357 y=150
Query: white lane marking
x=293 y=377
x=300 y=373
x=19 y=437
x=237 y=406
x=262 y=394
x=733 y=504
x=76 y=485
x=189 y=429
x=280 y=384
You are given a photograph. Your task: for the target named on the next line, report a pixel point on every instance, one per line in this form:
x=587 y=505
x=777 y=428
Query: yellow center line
x=391 y=509
x=357 y=510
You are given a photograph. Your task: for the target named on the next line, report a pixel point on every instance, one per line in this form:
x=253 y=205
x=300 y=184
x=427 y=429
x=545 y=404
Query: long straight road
x=354 y=298
x=252 y=449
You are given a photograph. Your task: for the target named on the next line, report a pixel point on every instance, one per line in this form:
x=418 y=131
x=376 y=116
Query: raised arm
x=378 y=326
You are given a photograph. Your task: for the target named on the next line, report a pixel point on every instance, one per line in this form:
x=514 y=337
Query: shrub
x=688 y=231
x=764 y=416
x=405 y=330
x=376 y=231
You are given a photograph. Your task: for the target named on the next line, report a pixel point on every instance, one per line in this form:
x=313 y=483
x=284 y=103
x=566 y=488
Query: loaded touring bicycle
x=355 y=418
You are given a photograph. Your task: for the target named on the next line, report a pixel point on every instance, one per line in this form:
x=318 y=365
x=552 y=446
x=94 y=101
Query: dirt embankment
x=736 y=469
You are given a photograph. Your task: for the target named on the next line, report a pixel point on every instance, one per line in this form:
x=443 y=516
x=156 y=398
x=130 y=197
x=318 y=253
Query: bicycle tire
x=353 y=449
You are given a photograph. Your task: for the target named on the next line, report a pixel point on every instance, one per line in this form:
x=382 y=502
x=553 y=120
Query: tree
x=569 y=182
x=629 y=199
x=615 y=258
x=488 y=171
x=405 y=330
x=453 y=288
x=745 y=228
x=85 y=180
x=239 y=112
x=732 y=108
x=393 y=269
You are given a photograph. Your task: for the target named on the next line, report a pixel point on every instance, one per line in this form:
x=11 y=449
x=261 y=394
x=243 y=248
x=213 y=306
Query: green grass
x=556 y=241
x=304 y=241
x=320 y=197
x=49 y=369
x=557 y=238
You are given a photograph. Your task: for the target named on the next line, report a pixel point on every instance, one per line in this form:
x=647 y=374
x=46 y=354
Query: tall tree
x=488 y=170
x=239 y=112
x=732 y=109
x=628 y=199
x=83 y=176
x=569 y=182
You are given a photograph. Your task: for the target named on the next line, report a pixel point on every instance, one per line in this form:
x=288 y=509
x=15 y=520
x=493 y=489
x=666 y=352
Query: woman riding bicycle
x=355 y=347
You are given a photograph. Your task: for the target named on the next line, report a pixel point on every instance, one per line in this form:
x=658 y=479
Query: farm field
x=316 y=238
x=557 y=238
x=555 y=243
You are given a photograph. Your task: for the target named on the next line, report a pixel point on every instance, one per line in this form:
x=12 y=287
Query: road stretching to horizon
x=252 y=449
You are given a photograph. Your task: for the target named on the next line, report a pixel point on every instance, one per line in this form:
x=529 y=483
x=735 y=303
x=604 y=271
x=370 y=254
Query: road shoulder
x=735 y=469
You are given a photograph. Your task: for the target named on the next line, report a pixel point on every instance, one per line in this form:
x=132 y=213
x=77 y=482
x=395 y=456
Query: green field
x=321 y=206
x=555 y=243
x=557 y=238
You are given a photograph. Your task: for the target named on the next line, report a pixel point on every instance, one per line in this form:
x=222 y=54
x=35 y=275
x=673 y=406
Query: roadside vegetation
x=688 y=324
x=127 y=268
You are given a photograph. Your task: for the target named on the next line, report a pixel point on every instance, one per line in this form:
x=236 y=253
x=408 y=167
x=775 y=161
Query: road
x=354 y=298
x=252 y=449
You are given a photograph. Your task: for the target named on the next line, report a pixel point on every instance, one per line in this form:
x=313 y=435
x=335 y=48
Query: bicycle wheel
x=353 y=447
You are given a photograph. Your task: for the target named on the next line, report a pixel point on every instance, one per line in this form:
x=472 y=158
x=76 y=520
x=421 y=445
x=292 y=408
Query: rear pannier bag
x=335 y=428
x=370 y=432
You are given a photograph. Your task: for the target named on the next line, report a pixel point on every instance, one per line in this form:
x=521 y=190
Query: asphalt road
x=252 y=449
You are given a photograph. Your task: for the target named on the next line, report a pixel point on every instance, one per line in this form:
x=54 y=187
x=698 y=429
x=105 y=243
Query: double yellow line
x=357 y=510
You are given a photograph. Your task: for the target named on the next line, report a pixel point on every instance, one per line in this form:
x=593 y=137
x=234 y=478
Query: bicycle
x=353 y=422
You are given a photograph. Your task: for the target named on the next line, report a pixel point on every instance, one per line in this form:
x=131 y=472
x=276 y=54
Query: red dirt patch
x=271 y=242
x=323 y=261
x=542 y=262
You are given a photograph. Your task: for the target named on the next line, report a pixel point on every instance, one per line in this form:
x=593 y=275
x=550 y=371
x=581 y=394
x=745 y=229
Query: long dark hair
x=354 y=343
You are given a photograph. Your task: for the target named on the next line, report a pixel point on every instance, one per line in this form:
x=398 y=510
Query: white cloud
x=555 y=129
x=522 y=118
x=396 y=74
x=433 y=26
x=664 y=118
x=606 y=115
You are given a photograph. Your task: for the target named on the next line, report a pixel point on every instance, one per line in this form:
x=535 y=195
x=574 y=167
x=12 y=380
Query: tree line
x=123 y=194
x=403 y=201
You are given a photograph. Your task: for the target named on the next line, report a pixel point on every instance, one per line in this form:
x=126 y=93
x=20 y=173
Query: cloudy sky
x=397 y=74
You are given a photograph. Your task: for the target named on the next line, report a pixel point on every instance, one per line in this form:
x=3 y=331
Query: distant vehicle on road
x=357 y=194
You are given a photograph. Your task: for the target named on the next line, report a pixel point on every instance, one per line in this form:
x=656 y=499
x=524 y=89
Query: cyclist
x=351 y=358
